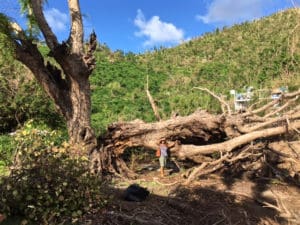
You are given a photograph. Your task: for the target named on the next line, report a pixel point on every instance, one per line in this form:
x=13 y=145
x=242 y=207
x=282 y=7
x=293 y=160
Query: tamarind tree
x=65 y=78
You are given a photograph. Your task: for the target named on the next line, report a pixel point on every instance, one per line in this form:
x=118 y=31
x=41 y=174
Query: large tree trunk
x=70 y=94
x=67 y=84
x=79 y=123
x=67 y=80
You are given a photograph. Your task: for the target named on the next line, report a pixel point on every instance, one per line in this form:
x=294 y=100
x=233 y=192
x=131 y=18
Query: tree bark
x=199 y=127
x=68 y=86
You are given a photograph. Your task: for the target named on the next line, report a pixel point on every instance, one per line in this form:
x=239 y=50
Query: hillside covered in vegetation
x=263 y=54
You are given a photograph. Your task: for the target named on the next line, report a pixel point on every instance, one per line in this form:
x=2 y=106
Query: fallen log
x=200 y=127
x=202 y=133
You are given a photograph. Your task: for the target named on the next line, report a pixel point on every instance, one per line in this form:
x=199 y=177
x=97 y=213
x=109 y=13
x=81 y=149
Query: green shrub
x=47 y=185
x=7 y=147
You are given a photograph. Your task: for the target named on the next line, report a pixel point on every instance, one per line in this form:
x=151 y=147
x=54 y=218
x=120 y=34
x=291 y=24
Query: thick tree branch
x=49 y=36
x=29 y=55
x=191 y=150
x=76 y=35
x=248 y=129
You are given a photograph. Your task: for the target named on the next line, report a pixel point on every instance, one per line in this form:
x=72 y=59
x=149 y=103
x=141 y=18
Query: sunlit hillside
x=264 y=54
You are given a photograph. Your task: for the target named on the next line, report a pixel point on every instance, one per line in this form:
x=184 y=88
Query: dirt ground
x=212 y=200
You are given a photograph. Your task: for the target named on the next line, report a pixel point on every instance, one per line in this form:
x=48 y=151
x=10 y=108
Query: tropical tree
x=65 y=74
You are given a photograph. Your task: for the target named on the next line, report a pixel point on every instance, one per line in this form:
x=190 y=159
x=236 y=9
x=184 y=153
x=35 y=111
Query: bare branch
x=287 y=104
x=221 y=100
x=153 y=105
x=292 y=94
x=248 y=129
x=272 y=104
x=195 y=172
x=262 y=109
x=210 y=167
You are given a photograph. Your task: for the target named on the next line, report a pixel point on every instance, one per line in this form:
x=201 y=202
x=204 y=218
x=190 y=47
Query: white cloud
x=157 y=31
x=57 y=20
x=233 y=11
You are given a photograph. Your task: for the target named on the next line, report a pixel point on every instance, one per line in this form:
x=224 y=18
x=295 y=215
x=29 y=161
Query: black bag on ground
x=136 y=193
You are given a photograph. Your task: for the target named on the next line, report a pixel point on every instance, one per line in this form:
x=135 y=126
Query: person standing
x=163 y=155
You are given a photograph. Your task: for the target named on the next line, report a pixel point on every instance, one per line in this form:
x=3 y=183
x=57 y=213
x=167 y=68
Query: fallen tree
x=223 y=139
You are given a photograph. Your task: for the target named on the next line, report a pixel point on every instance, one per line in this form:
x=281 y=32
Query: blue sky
x=139 y=25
